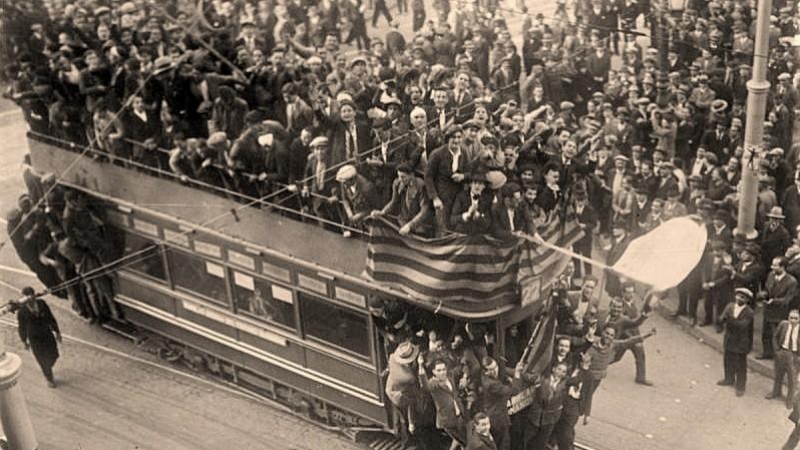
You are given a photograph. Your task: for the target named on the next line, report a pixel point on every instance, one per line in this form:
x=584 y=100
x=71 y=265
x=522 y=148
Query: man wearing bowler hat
x=737 y=320
x=775 y=238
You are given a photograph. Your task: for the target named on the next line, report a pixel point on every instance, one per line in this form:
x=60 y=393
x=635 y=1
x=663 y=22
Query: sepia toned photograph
x=400 y=225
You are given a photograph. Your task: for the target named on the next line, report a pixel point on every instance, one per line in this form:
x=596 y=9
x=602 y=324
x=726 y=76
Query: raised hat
x=496 y=179
x=405 y=353
x=319 y=141
x=776 y=213
x=162 y=64
x=127 y=8
x=719 y=106
x=358 y=59
x=218 y=138
x=345 y=173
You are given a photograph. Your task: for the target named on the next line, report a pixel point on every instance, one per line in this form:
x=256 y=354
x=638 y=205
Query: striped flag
x=467 y=268
x=451 y=268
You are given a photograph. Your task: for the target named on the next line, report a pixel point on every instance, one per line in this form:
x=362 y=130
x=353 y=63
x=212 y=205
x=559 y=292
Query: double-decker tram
x=276 y=305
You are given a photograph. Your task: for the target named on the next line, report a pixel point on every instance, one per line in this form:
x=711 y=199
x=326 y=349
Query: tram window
x=335 y=325
x=263 y=300
x=199 y=276
x=149 y=262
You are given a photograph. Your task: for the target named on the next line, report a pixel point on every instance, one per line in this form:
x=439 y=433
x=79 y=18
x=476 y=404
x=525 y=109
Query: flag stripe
x=471 y=254
x=423 y=291
x=388 y=270
x=463 y=268
x=444 y=268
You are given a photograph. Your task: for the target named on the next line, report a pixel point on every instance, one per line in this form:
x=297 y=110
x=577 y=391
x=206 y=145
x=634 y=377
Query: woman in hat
x=38 y=331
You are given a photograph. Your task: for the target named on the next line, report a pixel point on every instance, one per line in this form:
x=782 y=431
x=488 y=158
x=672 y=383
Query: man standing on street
x=786 y=344
x=737 y=318
x=781 y=290
x=39 y=332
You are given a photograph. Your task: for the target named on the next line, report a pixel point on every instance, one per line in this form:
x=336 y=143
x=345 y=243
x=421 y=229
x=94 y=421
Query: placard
x=241 y=260
x=282 y=294
x=312 y=284
x=351 y=297
x=244 y=281
x=278 y=273
x=215 y=269
x=175 y=237
x=208 y=249
x=145 y=227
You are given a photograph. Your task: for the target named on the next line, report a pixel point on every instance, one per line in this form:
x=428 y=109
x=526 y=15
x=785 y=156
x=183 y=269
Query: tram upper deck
x=260 y=230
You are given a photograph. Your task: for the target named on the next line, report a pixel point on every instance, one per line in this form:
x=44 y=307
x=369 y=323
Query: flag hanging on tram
x=451 y=268
x=464 y=268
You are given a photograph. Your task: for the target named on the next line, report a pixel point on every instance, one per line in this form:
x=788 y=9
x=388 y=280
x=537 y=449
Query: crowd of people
x=455 y=128
x=448 y=385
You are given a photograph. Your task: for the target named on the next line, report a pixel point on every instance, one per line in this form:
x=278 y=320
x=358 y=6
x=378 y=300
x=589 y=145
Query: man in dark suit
x=544 y=412
x=791 y=203
x=349 y=137
x=444 y=176
x=472 y=209
x=586 y=217
x=786 y=343
x=449 y=406
x=495 y=391
x=297 y=114
x=578 y=303
x=507 y=215
x=781 y=289
x=737 y=318
x=749 y=272
x=718 y=142
x=550 y=195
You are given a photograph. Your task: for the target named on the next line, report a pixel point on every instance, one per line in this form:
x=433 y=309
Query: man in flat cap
x=737 y=320
x=357 y=195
